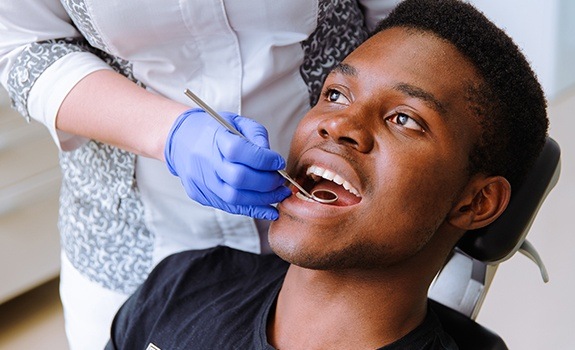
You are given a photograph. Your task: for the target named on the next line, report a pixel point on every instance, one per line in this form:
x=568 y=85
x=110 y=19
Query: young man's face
x=394 y=124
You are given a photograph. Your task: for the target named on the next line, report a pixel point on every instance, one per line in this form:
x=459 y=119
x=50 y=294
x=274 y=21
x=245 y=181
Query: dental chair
x=458 y=291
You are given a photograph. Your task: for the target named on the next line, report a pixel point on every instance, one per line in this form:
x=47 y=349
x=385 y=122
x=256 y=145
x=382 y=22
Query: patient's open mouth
x=318 y=178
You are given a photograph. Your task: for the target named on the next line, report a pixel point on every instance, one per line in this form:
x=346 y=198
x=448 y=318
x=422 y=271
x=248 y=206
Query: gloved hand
x=220 y=169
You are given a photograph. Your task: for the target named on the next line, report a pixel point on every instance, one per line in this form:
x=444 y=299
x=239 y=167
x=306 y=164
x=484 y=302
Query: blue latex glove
x=225 y=171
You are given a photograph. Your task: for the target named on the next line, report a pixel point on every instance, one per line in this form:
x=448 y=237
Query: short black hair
x=511 y=106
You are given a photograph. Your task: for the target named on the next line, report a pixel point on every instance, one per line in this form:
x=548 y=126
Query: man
x=422 y=131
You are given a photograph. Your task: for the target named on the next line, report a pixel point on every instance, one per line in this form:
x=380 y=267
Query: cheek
x=417 y=197
x=301 y=139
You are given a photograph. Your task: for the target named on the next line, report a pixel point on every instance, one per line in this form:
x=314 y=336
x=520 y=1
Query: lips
x=319 y=178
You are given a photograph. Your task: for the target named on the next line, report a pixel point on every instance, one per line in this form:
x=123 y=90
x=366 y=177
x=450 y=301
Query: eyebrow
x=345 y=69
x=421 y=94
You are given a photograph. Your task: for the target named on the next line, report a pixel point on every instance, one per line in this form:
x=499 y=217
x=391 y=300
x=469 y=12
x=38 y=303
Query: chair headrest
x=501 y=239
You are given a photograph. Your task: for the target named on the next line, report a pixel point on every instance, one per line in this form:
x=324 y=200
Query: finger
x=243 y=177
x=233 y=196
x=266 y=212
x=257 y=212
x=239 y=150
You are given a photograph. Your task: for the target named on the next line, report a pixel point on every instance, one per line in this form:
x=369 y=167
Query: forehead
x=417 y=44
x=415 y=61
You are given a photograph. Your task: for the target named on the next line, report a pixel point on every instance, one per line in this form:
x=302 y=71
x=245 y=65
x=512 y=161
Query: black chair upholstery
x=494 y=244
x=501 y=239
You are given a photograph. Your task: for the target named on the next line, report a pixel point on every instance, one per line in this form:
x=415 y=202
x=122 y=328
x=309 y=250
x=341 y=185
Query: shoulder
x=429 y=335
x=215 y=262
x=189 y=272
x=193 y=289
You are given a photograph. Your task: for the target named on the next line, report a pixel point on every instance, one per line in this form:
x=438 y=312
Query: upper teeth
x=315 y=172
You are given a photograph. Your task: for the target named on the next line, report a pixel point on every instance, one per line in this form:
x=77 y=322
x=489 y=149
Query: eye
x=406 y=121
x=335 y=96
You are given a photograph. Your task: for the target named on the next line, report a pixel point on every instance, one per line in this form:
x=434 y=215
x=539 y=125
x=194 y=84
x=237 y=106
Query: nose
x=347 y=130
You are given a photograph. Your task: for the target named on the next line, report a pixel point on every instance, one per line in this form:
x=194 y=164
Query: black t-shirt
x=220 y=298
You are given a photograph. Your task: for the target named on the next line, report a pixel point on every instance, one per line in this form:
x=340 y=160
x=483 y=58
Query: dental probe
x=332 y=196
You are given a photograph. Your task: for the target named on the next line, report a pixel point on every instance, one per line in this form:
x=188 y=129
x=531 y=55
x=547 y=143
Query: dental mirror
x=325 y=196
x=319 y=195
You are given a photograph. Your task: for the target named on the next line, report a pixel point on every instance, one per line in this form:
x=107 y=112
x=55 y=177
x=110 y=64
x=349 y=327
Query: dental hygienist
x=107 y=80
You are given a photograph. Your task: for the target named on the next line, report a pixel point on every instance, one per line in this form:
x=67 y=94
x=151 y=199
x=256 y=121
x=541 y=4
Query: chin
x=312 y=256
x=289 y=248
x=319 y=249
x=280 y=242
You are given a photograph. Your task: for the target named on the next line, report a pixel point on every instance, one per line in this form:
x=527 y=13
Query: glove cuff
x=169 y=141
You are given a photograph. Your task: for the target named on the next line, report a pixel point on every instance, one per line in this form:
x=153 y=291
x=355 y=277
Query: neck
x=344 y=309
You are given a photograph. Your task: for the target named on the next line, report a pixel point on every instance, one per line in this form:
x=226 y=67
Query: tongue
x=344 y=196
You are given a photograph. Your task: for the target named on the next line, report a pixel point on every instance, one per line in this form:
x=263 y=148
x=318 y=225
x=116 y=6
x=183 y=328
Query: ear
x=483 y=200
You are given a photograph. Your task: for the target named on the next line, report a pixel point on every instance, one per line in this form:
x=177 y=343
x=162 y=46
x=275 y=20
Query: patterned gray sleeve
x=78 y=12
x=38 y=56
x=32 y=62
x=341 y=28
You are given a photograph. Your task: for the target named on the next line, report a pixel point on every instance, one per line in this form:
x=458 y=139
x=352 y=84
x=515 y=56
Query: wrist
x=169 y=142
x=159 y=136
